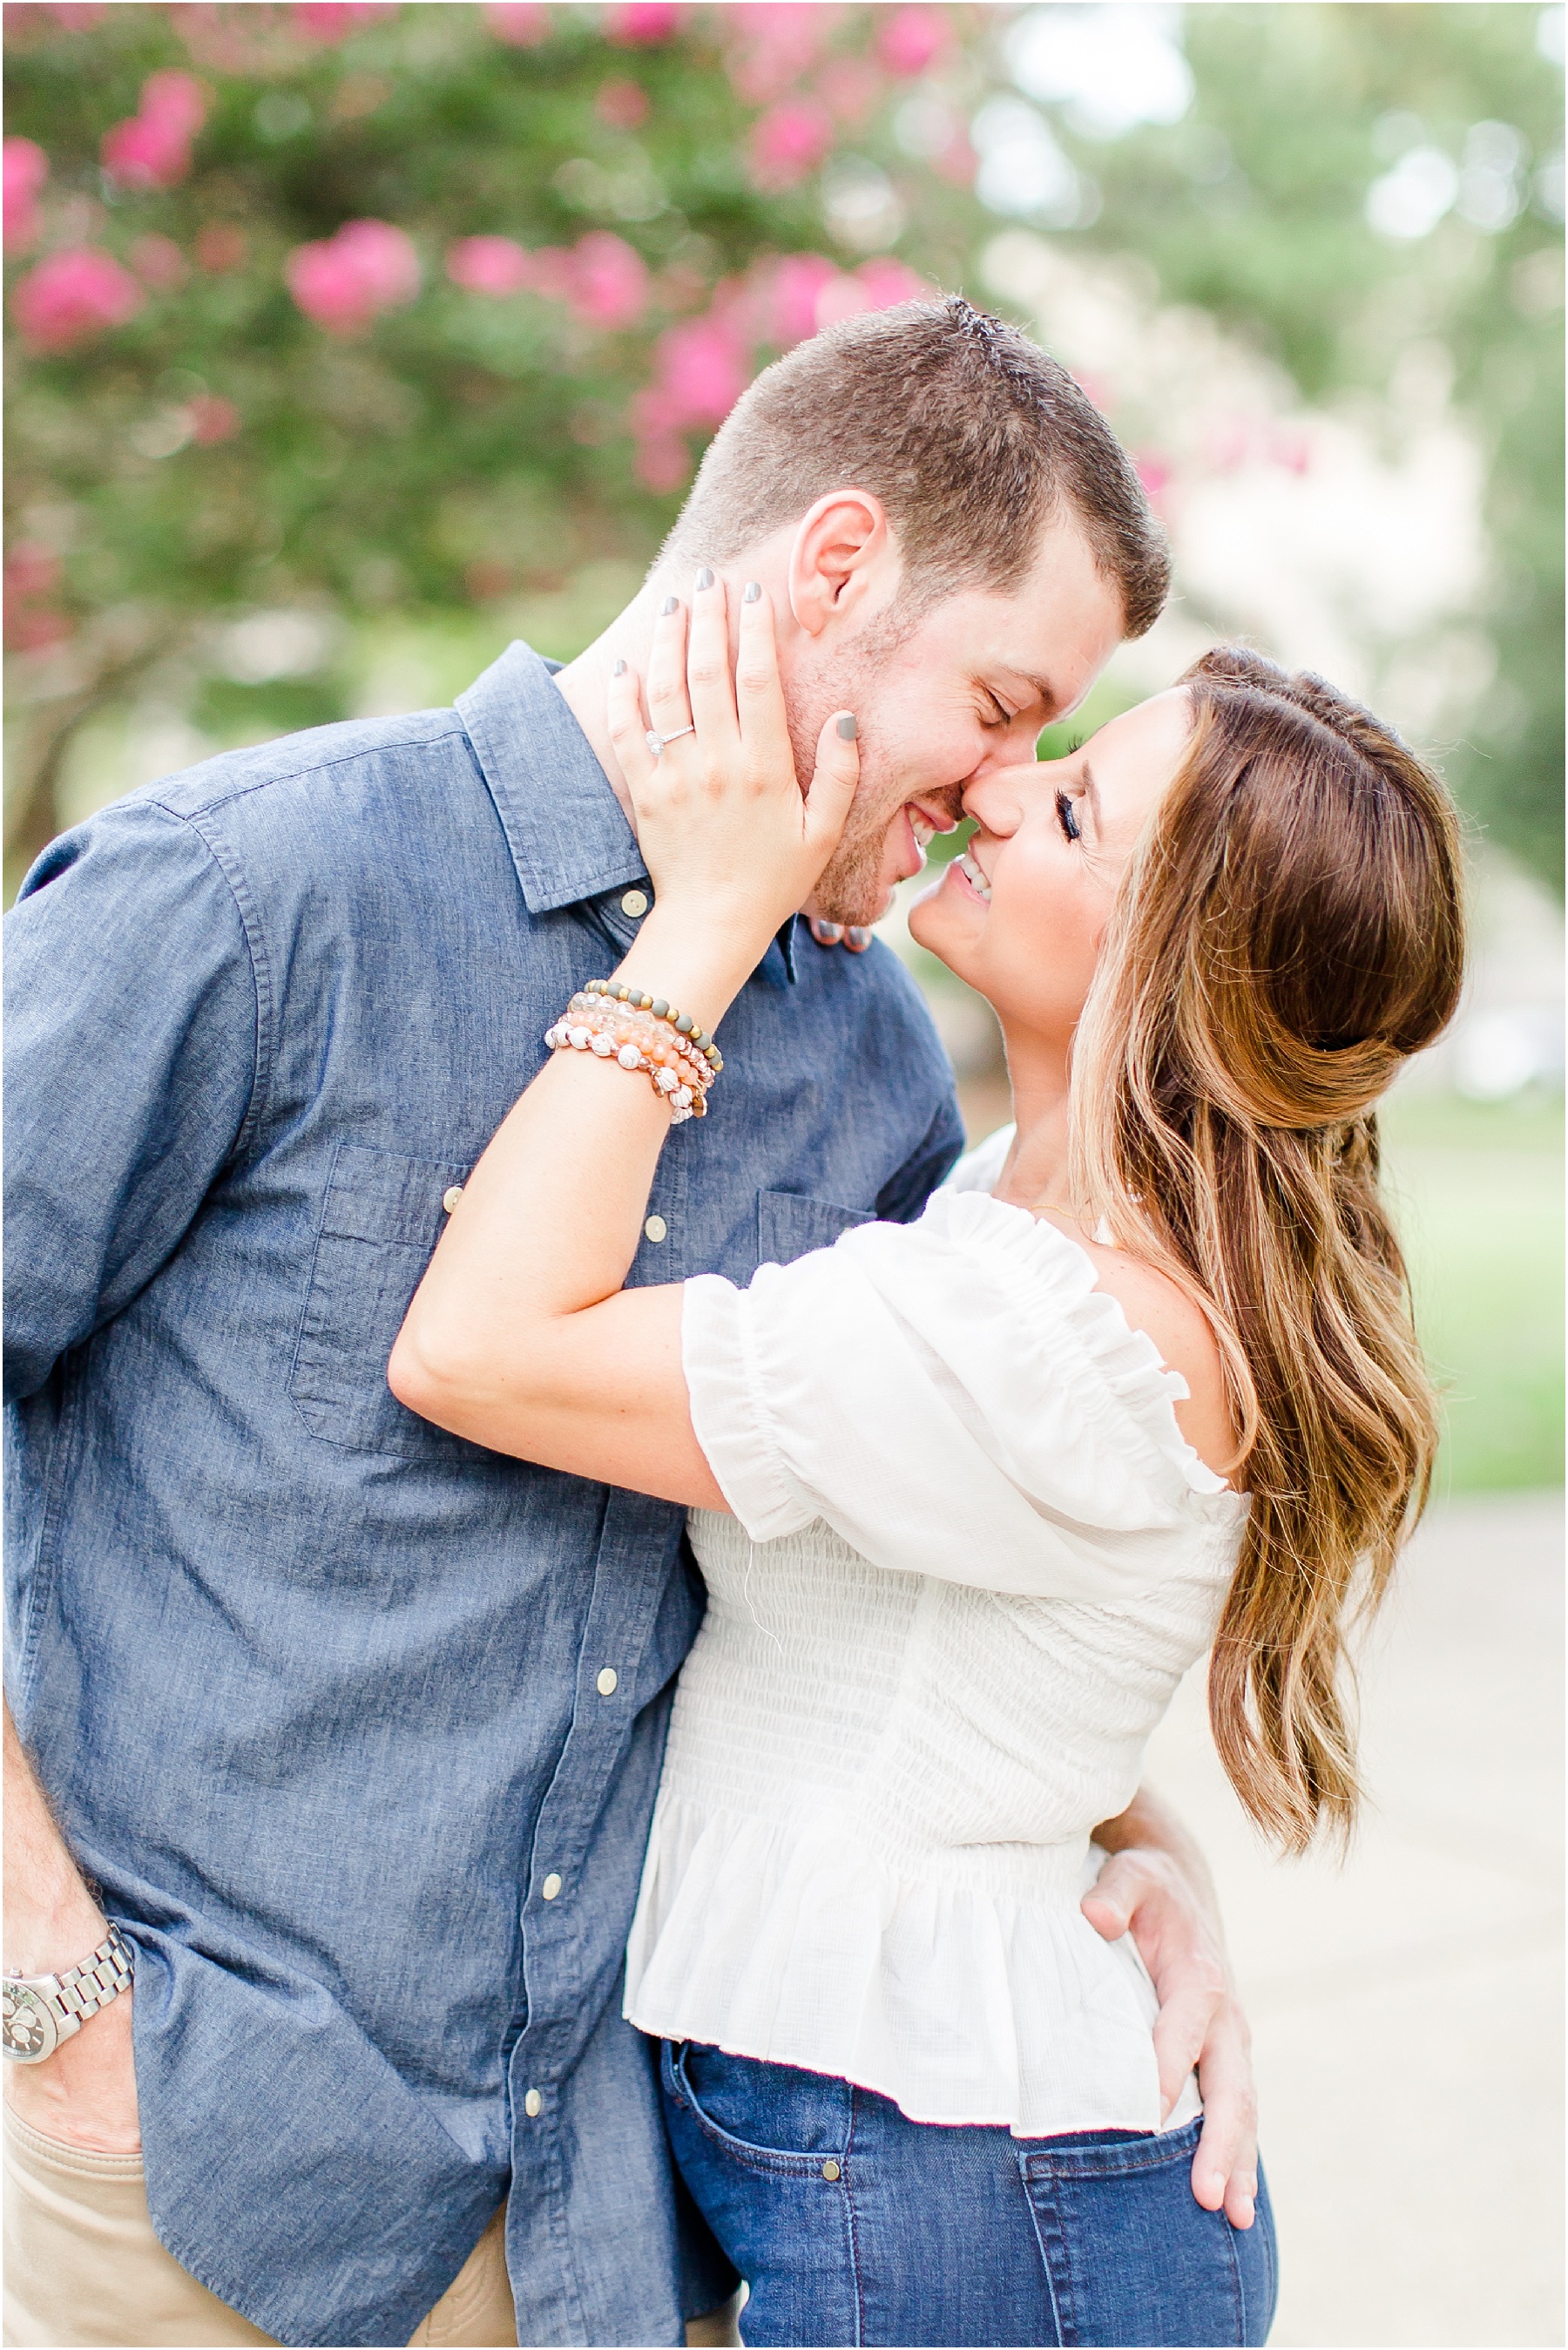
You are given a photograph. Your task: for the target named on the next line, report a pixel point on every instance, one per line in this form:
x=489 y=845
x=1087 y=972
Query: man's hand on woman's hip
x=1157 y=1886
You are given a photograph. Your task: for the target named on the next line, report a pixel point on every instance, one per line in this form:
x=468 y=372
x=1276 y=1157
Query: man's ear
x=845 y=560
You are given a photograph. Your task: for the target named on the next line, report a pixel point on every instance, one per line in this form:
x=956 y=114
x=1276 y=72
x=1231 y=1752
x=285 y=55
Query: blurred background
x=349 y=342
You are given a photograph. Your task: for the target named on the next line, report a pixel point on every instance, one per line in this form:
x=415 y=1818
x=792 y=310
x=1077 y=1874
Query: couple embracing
x=587 y=1594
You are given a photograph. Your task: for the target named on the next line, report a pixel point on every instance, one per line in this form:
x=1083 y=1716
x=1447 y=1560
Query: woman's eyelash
x=1069 y=821
x=1074 y=742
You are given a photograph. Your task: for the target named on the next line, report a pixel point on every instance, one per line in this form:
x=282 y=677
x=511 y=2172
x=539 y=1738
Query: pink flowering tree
x=358 y=306
x=434 y=308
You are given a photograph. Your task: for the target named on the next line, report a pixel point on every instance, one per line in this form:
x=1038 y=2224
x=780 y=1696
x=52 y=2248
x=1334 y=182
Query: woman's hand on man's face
x=728 y=838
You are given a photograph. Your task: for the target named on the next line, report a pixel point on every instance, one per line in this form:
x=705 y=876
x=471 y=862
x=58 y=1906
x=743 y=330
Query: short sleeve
x=131 y=1051
x=955 y=1398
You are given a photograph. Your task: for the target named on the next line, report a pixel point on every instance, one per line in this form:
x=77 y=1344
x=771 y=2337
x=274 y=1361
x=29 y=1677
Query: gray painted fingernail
x=847 y=730
x=704 y=578
x=619 y=669
x=671 y=604
x=827 y=934
x=857 y=938
x=753 y=592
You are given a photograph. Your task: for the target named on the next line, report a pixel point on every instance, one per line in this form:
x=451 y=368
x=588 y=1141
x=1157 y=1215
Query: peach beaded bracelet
x=626 y=1031
x=615 y=991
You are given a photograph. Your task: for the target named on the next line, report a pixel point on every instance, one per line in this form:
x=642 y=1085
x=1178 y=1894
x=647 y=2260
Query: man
x=354 y=1726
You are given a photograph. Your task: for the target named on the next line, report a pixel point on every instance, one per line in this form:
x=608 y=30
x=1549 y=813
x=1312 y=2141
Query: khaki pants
x=83 y=2265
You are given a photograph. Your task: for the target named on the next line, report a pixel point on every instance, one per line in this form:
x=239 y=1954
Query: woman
x=972 y=1494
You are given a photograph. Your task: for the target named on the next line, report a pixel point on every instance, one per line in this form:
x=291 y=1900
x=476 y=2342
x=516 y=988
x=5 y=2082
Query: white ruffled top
x=970 y=1558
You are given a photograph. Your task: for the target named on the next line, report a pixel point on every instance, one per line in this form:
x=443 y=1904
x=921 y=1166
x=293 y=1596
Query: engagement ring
x=656 y=742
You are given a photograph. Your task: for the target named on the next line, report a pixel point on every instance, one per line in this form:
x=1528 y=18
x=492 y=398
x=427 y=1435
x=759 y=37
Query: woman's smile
x=970 y=876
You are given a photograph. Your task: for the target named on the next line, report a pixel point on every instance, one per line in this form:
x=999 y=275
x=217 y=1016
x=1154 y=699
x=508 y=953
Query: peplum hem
x=795 y=1942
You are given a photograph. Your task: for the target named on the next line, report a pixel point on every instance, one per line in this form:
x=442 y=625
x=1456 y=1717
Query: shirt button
x=533 y=2105
x=551 y=1887
x=830 y=2170
x=635 y=903
x=451 y=1196
x=607 y=1682
x=657 y=1229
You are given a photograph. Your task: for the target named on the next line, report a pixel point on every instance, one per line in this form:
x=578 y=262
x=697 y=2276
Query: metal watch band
x=85 y=1988
x=42 y=2011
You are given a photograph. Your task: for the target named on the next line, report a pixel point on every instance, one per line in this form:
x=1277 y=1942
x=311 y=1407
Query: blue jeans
x=852 y=2224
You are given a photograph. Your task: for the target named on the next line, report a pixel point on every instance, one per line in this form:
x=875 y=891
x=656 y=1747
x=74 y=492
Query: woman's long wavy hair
x=1289 y=931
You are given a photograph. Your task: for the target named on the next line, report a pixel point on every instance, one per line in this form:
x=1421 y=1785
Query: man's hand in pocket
x=85 y=2094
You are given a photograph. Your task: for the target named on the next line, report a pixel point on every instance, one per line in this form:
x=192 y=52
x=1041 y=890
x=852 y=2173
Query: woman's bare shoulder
x=1155 y=1304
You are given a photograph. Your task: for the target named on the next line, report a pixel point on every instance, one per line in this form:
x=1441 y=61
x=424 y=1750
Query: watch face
x=26 y=2027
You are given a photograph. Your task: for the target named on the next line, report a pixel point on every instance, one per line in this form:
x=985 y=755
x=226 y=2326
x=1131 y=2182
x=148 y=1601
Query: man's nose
x=996 y=796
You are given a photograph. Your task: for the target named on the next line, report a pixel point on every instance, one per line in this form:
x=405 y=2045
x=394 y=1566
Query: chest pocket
x=382 y=1218
x=789 y=1226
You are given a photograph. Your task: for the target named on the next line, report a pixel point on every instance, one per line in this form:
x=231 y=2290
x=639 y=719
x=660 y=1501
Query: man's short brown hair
x=971 y=436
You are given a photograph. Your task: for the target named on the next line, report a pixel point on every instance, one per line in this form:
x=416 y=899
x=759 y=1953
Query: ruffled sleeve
x=955 y=1398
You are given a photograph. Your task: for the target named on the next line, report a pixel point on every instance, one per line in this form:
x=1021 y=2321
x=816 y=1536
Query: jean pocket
x=1132 y=2256
x=381 y=1220
x=773 y=2118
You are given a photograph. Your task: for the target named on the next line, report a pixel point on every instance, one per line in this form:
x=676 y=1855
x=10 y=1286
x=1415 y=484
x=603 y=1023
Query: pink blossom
x=521 y=23
x=212 y=419
x=489 y=264
x=609 y=281
x=35 y=629
x=701 y=372
x=789 y=141
x=643 y=24
x=158 y=262
x=774 y=43
x=73 y=296
x=622 y=104
x=78 y=16
x=887 y=282
x=793 y=294
x=26 y=169
x=700 y=368
x=908 y=38
x=344 y=282
x=153 y=149
x=146 y=152
x=31 y=569
x=851 y=88
x=176 y=98
x=329 y=22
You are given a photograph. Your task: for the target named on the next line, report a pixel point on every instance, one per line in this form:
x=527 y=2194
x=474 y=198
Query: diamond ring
x=656 y=742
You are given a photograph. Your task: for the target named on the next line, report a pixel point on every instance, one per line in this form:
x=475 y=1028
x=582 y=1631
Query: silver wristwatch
x=40 y=2011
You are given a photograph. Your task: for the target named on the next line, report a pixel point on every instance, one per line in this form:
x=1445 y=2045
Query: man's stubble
x=851 y=889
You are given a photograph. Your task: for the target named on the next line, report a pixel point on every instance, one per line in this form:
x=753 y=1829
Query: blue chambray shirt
x=313 y=1684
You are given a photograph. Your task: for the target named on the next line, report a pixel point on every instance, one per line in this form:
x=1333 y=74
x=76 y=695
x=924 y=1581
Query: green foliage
x=1478 y=1191
x=1252 y=207
x=467 y=458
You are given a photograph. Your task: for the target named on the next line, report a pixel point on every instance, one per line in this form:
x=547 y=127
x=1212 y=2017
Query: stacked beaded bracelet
x=681 y=1022
x=630 y=1037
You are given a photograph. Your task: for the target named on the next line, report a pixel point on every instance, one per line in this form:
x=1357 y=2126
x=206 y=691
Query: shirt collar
x=566 y=830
